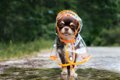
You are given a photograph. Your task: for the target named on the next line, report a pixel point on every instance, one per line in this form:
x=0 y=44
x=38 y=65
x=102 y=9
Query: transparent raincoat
x=79 y=46
x=81 y=51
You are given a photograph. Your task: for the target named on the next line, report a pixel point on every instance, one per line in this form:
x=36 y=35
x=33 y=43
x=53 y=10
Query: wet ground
x=104 y=65
x=54 y=74
x=107 y=58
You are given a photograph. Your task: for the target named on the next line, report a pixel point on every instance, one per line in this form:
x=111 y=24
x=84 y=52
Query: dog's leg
x=68 y=69
x=72 y=68
x=63 y=60
x=73 y=73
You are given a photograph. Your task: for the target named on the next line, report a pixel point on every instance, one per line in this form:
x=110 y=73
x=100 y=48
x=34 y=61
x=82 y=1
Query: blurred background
x=27 y=26
x=27 y=32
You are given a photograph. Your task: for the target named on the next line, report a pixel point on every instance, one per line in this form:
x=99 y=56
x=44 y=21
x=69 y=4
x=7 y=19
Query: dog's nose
x=66 y=29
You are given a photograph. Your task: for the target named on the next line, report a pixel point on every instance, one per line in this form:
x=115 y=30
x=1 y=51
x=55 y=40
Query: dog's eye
x=72 y=25
x=61 y=24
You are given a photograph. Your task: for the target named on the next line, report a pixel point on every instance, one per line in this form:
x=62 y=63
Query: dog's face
x=67 y=26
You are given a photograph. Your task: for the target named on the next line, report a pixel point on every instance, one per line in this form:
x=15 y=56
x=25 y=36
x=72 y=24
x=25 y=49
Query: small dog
x=68 y=26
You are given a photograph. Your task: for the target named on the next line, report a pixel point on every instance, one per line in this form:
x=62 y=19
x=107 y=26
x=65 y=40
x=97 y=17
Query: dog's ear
x=56 y=26
x=56 y=30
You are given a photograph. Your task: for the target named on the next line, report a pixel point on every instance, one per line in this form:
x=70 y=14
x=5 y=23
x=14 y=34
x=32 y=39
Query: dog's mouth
x=66 y=34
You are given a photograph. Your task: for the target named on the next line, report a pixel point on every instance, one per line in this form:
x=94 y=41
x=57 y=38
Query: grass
x=54 y=74
x=18 y=50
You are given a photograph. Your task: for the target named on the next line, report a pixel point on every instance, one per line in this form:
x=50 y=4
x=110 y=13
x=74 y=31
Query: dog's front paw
x=73 y=73
x=64 y=71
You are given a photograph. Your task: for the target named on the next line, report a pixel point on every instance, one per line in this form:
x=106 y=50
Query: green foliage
x=49 y=32
x=19 y=20
x=97 y=16
x=111 y=36
x=17 y=50
x=27 y=20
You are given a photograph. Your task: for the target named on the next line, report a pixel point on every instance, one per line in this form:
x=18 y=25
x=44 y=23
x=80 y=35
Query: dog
x=68 y=26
